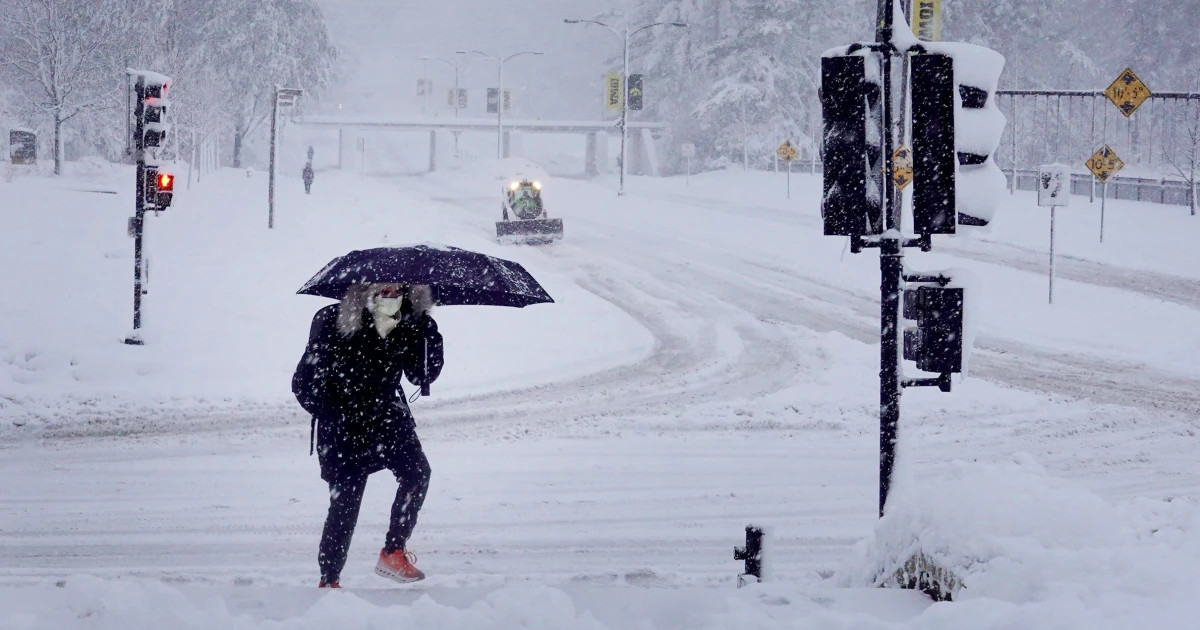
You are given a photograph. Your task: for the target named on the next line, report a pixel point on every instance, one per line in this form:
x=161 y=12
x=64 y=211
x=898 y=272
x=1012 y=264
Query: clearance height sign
x=927 y=20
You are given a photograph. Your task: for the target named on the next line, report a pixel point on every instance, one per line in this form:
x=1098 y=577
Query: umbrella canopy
x=456 y=276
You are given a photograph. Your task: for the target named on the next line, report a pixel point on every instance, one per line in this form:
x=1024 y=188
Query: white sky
x=383 y=39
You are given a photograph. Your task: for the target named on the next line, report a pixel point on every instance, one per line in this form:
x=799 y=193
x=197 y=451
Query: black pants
x=307 y=187
x=411 y=468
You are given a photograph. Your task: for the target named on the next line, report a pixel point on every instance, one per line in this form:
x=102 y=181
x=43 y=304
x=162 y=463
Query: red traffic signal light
x=166 y=182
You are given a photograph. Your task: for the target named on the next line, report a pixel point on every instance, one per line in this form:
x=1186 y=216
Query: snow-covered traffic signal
x=851 y=154
x=936 y=342
x=978 y=125
x=159 y=188
x=153 y=108
x=956 y=129
x=934 y=159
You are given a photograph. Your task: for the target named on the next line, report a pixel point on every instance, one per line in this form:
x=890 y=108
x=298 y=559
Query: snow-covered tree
x=744 y=76
x=54 y=53
x=65 y=60
x=287 y=44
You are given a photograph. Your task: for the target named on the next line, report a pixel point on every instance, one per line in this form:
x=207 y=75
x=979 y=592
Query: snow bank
x=1012 y=533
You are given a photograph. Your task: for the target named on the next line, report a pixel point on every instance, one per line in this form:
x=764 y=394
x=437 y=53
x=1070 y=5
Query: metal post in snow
x=139 y=214
x=500 y=110
x=191 y=160
x=1052 y=209
x=457 y=153
x=1103 y=199
x=891 y=266
x=271 y=175
x=624 y=109
x=1012 y=187
x=1092 y=194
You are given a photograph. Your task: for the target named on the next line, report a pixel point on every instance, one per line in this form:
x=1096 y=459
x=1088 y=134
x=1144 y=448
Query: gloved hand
x=421 y=350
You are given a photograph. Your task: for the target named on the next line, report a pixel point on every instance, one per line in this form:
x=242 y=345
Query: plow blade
x=530 y=231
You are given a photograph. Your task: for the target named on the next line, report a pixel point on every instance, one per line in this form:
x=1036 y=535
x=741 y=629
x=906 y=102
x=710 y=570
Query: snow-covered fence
x=1158 y=143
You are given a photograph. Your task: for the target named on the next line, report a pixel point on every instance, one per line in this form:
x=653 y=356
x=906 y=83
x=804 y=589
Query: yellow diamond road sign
x=902 y=167
x=786 y=151
x=1105 y=163
x=1128 y=92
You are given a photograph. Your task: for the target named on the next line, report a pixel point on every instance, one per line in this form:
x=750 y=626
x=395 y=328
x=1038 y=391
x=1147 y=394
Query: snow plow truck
x=524 y=216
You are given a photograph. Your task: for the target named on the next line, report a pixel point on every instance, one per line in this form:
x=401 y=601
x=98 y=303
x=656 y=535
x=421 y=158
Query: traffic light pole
x=271 y=176
x=139 y=211
x=891 y=269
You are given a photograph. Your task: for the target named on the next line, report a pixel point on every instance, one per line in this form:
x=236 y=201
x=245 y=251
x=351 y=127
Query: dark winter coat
x=351 y=384
x=307 y=173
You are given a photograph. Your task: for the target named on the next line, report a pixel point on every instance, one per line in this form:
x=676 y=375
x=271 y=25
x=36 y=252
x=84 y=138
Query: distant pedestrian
x=307 y=174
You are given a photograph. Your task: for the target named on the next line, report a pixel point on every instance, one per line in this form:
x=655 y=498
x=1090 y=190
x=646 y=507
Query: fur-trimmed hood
x=358 y=302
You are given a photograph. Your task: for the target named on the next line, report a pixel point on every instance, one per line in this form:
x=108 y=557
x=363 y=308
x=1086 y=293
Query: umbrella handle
x=425 y=366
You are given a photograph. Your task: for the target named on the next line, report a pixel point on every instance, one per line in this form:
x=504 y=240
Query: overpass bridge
x=643 y=156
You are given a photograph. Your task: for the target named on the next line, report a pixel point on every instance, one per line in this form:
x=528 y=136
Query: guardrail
x=1165 y=191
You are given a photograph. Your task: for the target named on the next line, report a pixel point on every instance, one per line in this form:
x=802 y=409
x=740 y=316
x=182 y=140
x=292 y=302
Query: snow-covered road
x=740 y=387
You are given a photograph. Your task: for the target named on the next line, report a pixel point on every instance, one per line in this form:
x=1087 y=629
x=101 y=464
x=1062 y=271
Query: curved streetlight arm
x=524 y=52
x=597 y=23
x=642 y=28
x=624 y=36
x=441 y=59
x=478 y=52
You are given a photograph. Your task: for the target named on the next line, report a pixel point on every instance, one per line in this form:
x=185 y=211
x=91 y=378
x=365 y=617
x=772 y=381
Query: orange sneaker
x=333 y=584
x=398 y=566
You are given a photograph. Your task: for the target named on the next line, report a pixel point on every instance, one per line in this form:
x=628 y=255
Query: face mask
x=387 y=306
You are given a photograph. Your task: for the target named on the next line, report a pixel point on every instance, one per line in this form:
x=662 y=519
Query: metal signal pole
x=891 y=268
x=137 y=223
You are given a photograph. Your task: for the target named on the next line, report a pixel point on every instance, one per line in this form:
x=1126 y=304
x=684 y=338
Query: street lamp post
x=500 y=93
x=454 y=99
x=285 y=97
x=624 y=34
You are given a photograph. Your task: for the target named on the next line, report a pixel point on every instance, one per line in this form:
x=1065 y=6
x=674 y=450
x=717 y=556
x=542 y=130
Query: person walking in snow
x=307 y=174
x=349 y=380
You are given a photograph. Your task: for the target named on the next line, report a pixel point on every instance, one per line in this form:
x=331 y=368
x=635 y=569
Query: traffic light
x=154 y=129
x=851 y=153
x=158 y=188
x=151 y=111
x=635 y=92
x=165 y=190
x=934 y=159
x=969 y=75
x=936 y=342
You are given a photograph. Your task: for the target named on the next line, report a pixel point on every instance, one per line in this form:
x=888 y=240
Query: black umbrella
x=456 y=276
